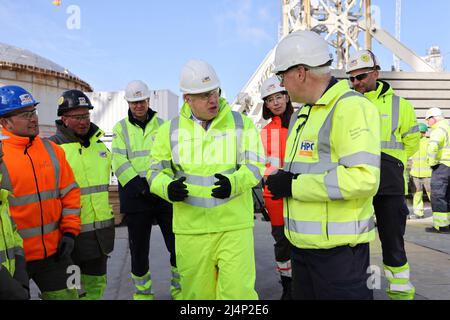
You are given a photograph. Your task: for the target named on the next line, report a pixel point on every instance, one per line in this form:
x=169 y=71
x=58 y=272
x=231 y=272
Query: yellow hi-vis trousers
x=217 y=266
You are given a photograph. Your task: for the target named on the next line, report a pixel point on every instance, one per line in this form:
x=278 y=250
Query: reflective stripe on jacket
x=334 y=146
x=419 y=165
x=45 y=200
x=183 y=148
x=438 y=150
x=11 y=244
x=274 y=137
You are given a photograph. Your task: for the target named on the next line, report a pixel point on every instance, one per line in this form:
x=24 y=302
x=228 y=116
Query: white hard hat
x=433 y=112
x=136 y=91
x=197 y=76
x=271 y=86
x=362 y=59
x=301 y=47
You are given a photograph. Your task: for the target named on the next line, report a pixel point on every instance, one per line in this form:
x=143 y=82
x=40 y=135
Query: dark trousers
x=50 y=274
x=139 y=230
x=331 y=274
x=92 y=267
x=391 y=213
x=440 y=189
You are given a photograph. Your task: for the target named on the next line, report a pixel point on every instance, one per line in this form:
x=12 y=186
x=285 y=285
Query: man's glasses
x=280 y=75
x=27 y=115
x=360 y=76
x=206 y=95
x=79 y=117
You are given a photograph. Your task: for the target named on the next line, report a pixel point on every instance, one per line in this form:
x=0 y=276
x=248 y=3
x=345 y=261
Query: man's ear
x=5 y=123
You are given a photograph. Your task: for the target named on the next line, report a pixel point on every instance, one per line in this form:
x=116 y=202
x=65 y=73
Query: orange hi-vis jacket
x=274 y=137
x=45 y=199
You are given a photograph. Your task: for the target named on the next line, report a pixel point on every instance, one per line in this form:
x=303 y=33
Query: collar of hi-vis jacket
x=67 y=135
x=332 y=93
x=383 y=89
x=441 y=123
x=17 y=141
x=224 y=109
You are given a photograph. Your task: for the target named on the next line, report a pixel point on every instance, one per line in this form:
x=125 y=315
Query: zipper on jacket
x=39 y=197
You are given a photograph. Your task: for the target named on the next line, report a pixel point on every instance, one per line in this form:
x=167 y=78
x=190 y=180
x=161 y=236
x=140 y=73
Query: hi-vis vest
x=438 y=150
x=419 y=165
x=231 y=146
x=10 y=242
x=334 y=147
x=131 y=149
x=91 y=167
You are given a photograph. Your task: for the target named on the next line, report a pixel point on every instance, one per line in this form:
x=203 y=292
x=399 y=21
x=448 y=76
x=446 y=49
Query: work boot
x=445 y=230
x=286 y=283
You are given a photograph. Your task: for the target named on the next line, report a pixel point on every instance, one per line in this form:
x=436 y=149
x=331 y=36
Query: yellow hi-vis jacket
x=131 y=148
x=419 y=165
x=400 y=133
x=231 y=146
x=91 y=166
x=438 y=151
x=334 y=146
x=11 y=244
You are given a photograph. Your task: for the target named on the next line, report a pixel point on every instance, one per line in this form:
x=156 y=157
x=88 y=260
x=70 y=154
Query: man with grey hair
x=331 y=172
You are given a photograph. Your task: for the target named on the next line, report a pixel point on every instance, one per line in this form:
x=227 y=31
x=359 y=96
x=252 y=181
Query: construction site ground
x=428 y=256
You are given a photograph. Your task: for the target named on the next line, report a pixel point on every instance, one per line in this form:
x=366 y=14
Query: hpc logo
x=307 y=148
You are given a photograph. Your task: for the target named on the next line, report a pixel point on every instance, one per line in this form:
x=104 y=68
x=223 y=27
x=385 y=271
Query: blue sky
x=119 y=41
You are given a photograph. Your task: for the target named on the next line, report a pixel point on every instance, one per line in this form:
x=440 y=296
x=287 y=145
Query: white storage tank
x=45 y=80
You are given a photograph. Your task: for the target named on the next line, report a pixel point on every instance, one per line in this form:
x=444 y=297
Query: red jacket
x=274 y=138
x=45 y=201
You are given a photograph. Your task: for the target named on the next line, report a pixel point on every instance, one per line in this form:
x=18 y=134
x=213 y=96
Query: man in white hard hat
x=206 y=162
x=400 y=138
x=331 y=172
x=132 y=142
x=438 y=158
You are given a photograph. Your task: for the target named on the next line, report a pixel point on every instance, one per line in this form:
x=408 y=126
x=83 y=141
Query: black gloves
x=435 y=167
x=280 y=184
x=177 y=190
x=224 y=189
x=66 y=245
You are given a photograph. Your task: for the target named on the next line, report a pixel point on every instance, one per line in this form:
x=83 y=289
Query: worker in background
x=132 y=142
x=90 y=160
x=331 y=172
x=278 y=108
x=420 y=173
x=206 y=162
x=400 y=138
x=14 y=284
x=438 y=158
x=44 y=200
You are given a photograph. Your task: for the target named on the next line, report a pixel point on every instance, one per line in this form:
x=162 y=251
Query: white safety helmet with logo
x=301 y=47
x=362 y=59
x=137 y=91
x=271 y=86
x=197 y=76
x=433 y=112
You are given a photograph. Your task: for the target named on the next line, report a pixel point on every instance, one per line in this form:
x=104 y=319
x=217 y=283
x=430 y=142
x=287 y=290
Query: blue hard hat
x=13 y=98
